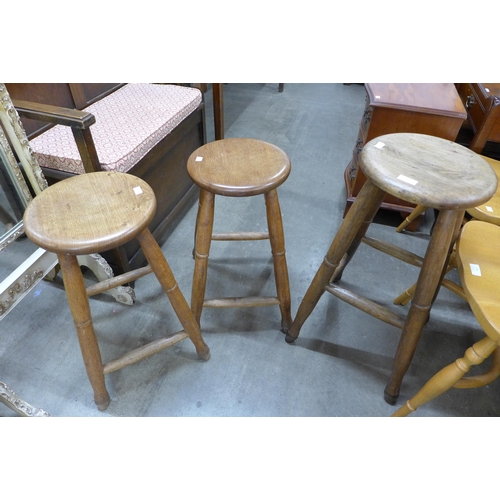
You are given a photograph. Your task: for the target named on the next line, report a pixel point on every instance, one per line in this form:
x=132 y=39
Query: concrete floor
x=341 y=362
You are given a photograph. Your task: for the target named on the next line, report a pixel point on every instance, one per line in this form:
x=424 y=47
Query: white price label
x=475 y=269
x=408 y=180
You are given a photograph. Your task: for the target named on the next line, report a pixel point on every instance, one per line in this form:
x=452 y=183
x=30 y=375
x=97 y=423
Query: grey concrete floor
x=339 y=365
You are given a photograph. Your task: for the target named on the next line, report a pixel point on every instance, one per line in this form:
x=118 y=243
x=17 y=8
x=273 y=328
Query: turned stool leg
x=204 y=228
x=484 y=379
x=337 y=275
x=417 y=211
x=79 y=305
x=449 y=376
x=429 y=279
x=196 y=227
x=164 y=274
x=277 y=240
x=363 y=209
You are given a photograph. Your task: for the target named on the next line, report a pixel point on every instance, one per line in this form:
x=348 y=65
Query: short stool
x=239 y=168
x=92 y=213
x=423 y=170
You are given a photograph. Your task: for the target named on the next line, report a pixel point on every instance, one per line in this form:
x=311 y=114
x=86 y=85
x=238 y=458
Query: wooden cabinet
x=425 y=108
x=482 y=102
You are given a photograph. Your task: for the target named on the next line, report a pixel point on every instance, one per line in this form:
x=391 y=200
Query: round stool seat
x=90 y=213
x=428 y=171
x=489 y=211
x=238 y=167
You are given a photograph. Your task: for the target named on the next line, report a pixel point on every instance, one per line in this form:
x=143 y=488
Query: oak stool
x=239 y=168
x=419 y=169
x=92 y=213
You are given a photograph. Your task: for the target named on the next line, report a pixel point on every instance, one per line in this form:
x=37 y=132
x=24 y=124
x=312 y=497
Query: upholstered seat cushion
x=129 y=123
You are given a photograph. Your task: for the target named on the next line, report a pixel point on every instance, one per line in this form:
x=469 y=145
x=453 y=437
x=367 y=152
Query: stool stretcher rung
x=241 y=302
x=144 y=352
x=394 y=251
x=366 y=305
x=240 y=236
x=105 y=285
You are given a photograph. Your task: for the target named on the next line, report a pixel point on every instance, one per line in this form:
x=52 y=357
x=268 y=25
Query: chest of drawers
x=482 y=102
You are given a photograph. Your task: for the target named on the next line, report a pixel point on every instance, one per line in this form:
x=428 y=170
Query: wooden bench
x=56 y=109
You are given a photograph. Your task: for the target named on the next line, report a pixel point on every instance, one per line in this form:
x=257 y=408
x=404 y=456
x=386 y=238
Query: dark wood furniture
x=482 y=102
x=105 y=210
x=218 y=105
x=239 y=168
x=42 y=105
x=422 y=170
x=424 y=108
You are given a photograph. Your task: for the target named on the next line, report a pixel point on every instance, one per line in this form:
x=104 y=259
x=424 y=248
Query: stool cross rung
x=366 y=305
x=394 y=251
x=240 y=236
x=143 y=352
x=241 y=302
x=122 y=279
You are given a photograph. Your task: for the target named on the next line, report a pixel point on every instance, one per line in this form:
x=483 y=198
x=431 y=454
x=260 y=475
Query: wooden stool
x=423 y=170
x=92 y=213
x=487 y=212
x=239 y=167
x=479 y=269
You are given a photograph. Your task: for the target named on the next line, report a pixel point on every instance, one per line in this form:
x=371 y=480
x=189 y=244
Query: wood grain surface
x=429 y=171
x=90 y=213
x=238 y=167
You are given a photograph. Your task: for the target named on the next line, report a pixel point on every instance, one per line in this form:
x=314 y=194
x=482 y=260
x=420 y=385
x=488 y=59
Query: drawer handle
x=367 y=116
x=470 y=101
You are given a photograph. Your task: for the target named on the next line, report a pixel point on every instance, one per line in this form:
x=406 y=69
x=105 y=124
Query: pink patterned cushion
x=129 y=123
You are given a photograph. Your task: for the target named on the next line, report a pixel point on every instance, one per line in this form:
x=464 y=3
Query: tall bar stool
x=239 y=168
x=423 y=170
x=93 y=213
